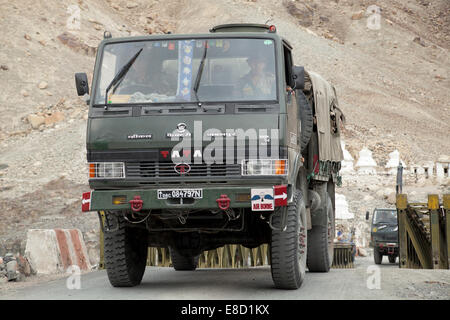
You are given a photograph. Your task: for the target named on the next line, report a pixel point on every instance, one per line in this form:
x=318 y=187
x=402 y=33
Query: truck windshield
x=385 y=216
x=165 y=71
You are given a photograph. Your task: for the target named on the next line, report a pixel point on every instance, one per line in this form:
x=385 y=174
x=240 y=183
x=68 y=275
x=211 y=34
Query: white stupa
x=366 y=164
x=443 y=167
x=347 y=163
x=342 y=207
x=394 y=161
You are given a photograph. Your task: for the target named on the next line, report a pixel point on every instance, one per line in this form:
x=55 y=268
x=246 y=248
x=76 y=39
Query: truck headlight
x=264 y=167
x=106 y=170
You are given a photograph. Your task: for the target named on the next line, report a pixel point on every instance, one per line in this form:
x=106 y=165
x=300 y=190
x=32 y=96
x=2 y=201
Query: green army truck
x=195 y=141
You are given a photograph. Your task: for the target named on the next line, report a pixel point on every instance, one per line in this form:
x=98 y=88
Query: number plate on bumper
x=180 y=193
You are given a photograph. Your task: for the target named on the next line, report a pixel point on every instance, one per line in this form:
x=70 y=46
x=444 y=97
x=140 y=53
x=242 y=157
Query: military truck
x=384 y=234
x=195 y=141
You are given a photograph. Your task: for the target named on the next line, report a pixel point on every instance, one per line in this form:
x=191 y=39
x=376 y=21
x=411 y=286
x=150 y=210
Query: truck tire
x=126 y=251
x=288 y=248
x=320 y=243
x=182 y=262
x=392 y=258
x=377 y=256
x=306 y=117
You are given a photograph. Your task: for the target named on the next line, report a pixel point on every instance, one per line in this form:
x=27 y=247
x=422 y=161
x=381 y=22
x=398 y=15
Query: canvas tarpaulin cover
x=329 y=118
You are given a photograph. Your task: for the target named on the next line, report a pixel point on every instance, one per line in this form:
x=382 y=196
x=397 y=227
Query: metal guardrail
x=424 y=233
x=234 y=256
x=343 y=256
x=228 y=256
x=237 y=256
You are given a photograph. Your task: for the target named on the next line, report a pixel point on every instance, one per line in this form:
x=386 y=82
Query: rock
x=357 y=15
x=23 y=266
x=304 y=15
x=131 y=5
x=56 y=116
x=35 y=120
x=418 y=40
x=43 y=85
x=32 y=267
x=76 y=43
x=11 y=269
x=4 y=67
x=26 y=36
x=24 y=93
x=392 y=198
x=362 y=252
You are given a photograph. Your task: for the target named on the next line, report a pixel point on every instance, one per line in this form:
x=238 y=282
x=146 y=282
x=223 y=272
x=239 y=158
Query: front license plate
x=180 y=193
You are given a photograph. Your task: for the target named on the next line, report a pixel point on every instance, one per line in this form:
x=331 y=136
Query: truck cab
x=197 y=141
x=384 y=234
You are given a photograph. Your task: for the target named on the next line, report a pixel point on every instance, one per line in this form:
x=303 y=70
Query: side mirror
x=81 y=82
x=367 y=215
x=298 y=75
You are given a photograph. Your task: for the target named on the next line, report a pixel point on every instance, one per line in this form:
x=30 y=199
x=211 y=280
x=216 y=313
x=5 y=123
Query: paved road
x=253 y=283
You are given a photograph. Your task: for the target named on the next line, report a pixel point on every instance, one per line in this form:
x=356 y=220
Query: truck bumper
x=239 y=197
x=387 y=248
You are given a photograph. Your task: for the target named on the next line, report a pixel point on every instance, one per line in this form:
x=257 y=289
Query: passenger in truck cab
x=257 y=83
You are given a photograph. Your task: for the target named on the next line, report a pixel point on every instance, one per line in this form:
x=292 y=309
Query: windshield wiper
x=199 y=73
x=121 y=74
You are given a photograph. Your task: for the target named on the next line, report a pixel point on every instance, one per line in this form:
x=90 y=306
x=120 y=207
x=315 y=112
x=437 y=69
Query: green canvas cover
x=327 y=109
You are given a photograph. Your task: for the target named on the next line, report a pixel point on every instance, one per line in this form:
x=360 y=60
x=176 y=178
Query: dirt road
x=251 y=284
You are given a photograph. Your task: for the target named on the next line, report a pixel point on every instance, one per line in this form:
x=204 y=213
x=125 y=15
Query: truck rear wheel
x=126 y=251
x=182 y=262
x=288 y=247
x=320 y=243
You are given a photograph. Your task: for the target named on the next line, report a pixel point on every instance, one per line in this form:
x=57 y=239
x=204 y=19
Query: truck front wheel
x=377 y=256
x=288 y=247
x=126 y=251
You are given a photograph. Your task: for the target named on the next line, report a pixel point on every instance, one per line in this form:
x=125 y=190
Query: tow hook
x=136 y=203
x=223 y=202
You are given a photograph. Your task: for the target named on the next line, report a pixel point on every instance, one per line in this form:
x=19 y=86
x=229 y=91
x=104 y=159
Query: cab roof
x=221 y=31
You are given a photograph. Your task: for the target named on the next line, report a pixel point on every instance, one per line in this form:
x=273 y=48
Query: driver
x=145 y=76
x=257 y=82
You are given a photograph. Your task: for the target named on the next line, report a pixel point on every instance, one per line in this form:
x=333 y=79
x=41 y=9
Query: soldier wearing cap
x=258 y=83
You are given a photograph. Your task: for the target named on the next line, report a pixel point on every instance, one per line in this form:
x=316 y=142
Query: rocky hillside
x=393 y=82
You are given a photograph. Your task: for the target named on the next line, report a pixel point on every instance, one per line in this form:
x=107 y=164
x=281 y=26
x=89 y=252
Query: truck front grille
x=156 y=169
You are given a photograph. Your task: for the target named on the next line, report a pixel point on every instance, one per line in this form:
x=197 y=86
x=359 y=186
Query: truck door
x=293 y=126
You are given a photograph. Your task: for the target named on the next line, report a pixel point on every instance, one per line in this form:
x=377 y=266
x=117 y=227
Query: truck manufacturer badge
x=182 y=168
x=179 y=132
